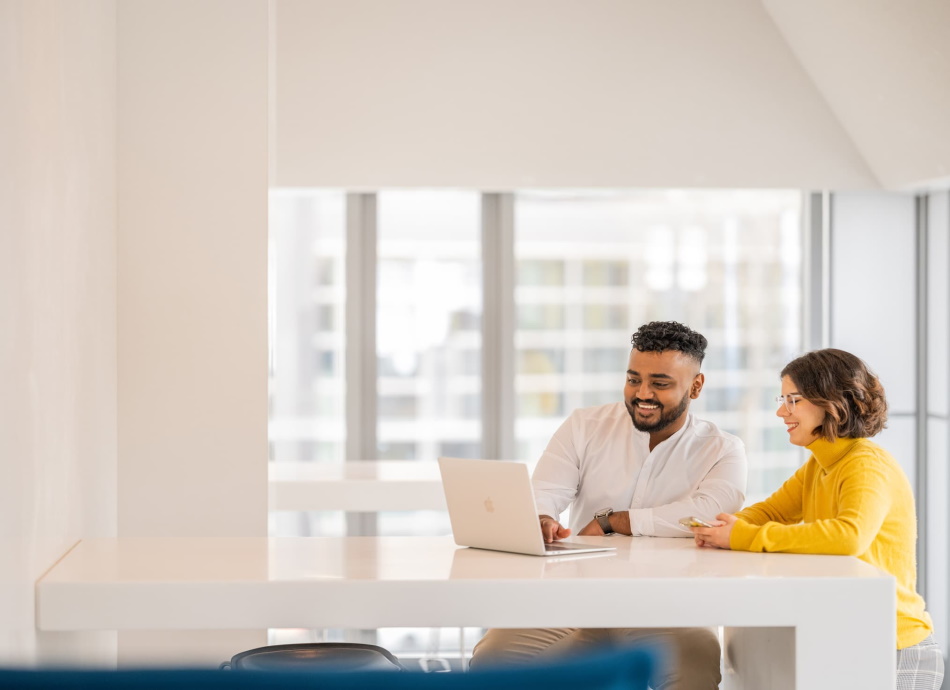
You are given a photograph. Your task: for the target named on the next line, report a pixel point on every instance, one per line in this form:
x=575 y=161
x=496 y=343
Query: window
x=306 y=307
x=725 y=262
x=428 y=315
x=590 y=267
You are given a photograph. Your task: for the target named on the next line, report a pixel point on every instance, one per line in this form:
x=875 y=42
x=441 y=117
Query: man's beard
x=666 y=417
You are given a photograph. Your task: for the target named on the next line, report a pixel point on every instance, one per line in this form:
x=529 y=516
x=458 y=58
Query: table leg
x=814 y=655
x=759 y=658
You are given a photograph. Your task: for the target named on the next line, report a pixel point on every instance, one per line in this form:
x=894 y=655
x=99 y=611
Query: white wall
x=884 y=71
x=192 y=282
x=192 y=267
x=57 y=305
x=556 y=93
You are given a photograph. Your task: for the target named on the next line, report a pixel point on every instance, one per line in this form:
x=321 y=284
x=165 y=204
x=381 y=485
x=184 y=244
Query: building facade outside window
x=590 y=267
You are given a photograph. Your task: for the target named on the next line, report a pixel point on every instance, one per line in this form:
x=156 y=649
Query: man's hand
x=718 y=535
x=552 y=530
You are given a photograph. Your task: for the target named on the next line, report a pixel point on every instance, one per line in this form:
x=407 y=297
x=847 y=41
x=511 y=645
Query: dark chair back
x=315 y=656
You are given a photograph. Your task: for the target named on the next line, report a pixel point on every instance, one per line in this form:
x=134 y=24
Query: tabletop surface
x=404 y=559
x=787 y=600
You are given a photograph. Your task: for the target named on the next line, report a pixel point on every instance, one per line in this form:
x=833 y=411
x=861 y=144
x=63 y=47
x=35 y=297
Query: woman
x=850 y=498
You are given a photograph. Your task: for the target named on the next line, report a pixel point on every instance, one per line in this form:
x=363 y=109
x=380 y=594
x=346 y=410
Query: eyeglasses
x=789 y=400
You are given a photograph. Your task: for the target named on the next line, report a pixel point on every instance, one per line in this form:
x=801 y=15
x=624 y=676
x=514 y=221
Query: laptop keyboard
x=564 y=547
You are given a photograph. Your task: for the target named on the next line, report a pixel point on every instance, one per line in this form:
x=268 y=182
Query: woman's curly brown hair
x=845 y=388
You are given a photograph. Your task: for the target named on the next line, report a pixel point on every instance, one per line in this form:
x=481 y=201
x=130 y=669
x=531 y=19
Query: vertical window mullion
x=498 y=315
x=817 y=282
x=922 y=394
x=361 y=261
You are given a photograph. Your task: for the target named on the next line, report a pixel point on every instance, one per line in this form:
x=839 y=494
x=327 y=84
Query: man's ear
x=697 y=385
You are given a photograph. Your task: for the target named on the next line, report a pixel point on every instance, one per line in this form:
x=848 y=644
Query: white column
x=192 y=284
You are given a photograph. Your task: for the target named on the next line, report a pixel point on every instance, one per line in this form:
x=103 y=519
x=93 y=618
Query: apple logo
x=489 y=506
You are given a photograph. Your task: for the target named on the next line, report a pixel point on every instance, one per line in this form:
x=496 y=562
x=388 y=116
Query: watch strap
x=603 y=519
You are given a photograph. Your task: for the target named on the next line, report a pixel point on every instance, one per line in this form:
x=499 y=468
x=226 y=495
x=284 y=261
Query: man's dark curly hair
x=662 y=336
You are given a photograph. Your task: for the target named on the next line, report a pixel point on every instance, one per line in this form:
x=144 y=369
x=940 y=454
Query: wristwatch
x=603 y=519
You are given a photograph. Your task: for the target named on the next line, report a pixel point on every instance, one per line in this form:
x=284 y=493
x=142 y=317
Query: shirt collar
x=827 y=453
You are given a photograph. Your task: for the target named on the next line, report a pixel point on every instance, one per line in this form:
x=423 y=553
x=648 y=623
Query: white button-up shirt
x=597 y=459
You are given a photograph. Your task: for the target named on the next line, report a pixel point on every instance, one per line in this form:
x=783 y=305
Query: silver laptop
x=491 y=506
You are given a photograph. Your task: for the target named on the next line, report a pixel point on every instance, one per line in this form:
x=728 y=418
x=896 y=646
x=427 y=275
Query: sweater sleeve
x=784 y=506
x=862 y=499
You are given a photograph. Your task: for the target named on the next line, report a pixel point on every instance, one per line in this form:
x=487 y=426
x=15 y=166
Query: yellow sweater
x=851 y=498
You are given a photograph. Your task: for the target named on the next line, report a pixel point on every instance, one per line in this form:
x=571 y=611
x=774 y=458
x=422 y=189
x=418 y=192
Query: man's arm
x=784 y=506
x=619 y=523
x=557 y=474
x=722 y=490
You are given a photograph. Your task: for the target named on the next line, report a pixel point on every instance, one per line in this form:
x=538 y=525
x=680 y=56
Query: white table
x=819 y=621
x=365 y=486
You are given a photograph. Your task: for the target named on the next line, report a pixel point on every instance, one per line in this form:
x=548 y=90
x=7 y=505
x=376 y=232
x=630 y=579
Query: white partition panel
x=900 y=440
x=938 y=308
x=873 y=287
x=938 y=518
x=192 y=268
x=192 y=281
x=938 y=407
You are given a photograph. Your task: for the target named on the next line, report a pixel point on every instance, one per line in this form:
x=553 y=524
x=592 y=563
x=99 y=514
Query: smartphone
x=693 y=522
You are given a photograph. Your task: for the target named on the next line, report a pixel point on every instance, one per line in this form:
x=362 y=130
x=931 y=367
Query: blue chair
x=616 y=669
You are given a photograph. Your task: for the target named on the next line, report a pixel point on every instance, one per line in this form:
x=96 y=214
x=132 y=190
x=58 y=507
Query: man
x=636 y=468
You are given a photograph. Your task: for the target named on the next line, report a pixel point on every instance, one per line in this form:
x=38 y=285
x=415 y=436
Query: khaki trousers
x=692 y=654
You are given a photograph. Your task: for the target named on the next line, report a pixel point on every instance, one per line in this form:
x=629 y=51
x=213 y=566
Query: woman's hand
x=718 y=535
